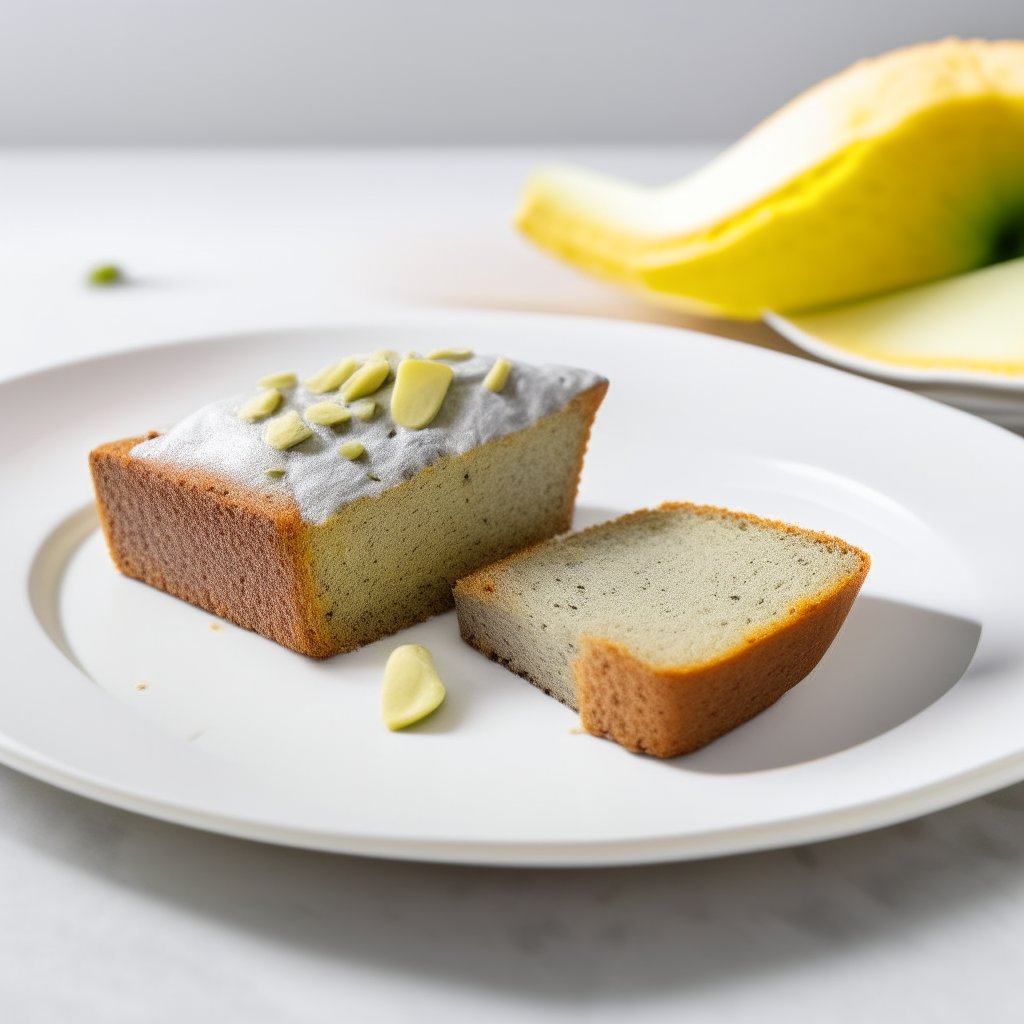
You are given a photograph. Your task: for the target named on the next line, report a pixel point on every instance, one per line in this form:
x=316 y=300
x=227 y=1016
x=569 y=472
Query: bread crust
x=235 y=552
x=246 y=555
x=671 y=710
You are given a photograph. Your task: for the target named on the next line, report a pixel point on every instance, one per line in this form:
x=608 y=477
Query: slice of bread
x=380 y=563
x=668 y=627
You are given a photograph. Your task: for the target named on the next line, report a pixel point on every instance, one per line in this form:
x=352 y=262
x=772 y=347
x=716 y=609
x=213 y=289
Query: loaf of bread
x=665 y=628
x=322 y=552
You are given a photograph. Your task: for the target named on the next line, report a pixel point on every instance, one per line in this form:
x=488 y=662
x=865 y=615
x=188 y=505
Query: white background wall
x=264 y=72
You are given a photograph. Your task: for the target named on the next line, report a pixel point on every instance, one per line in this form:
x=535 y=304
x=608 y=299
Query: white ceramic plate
x=900 y=374
x=237 y=735
x=966 y=330
x=996 y=398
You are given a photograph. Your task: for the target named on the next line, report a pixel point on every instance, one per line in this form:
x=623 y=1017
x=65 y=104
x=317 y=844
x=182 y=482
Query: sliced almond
x=327 y=414
x=351 y=450
x=330 y=378
x=260 y=405
x=367 y=379
x=455 y=354
x=286 y=431
x=497 y=375
x=420 y=387
x=278 y=380
x=412 y=688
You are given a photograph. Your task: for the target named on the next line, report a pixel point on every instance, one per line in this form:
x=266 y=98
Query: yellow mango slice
x=327 y=414
x=286 y=431
x=412 y=688
x=901 y=170
x=260 y=405
x=330 y=378
x=497 y=375
x=367 y=379
x=420 y=387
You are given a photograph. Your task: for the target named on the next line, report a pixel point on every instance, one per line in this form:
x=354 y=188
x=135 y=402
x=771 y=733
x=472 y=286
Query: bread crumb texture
x=665 y=628
x=378 y=564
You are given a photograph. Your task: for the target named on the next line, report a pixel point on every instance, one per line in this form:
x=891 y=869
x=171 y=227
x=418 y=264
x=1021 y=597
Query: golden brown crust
x=667 y=711
x=235 y=552
x=672 y=710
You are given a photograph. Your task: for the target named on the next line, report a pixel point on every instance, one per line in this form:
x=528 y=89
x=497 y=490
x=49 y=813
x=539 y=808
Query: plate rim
x=732 y=842
x=883 y=371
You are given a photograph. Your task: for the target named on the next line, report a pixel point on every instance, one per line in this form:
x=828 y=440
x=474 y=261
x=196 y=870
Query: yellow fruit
x=900 y=170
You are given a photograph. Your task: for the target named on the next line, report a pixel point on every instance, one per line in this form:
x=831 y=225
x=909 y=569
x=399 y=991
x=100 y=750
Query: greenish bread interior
x=679 y=586
x=385 y=562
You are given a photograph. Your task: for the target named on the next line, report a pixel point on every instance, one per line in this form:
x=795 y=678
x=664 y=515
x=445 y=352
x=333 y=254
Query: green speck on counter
x=105 y=275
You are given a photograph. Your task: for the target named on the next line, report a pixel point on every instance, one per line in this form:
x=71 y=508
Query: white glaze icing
x=213 y=439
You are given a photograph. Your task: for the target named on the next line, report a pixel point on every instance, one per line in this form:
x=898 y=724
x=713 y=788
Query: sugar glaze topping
x=215 y=440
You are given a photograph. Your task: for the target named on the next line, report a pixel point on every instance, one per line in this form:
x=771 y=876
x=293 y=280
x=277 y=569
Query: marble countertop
x=108 y=916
